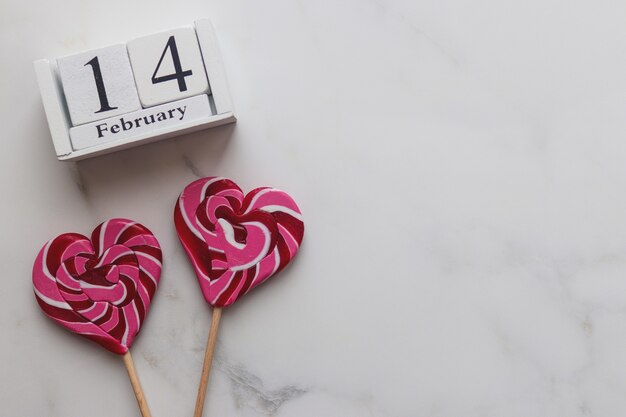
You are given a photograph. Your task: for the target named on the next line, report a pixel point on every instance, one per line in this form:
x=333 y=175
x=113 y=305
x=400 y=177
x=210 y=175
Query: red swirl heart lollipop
x=235 y=242
x=101 y=288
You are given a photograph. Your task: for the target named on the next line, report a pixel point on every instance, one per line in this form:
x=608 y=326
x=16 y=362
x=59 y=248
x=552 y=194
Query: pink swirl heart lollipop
x=235 y=242
x=101 y=288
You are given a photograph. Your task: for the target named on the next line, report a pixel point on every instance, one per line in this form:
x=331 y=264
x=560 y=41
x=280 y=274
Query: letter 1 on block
x=168 y=66
x=98 y=84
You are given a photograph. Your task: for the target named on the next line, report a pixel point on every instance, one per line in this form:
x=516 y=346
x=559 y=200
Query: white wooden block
x=98 y=84
x=56 y=111
x=213 y=65
x=168 y=66
x=177 y=114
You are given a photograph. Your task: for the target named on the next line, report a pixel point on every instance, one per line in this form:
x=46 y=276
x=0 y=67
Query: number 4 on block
x=168 y=66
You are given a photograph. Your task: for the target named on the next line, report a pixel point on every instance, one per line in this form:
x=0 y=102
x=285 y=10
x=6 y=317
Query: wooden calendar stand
x=59 y=121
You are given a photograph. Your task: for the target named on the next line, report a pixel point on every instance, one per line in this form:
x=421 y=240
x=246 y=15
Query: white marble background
x=461 y=167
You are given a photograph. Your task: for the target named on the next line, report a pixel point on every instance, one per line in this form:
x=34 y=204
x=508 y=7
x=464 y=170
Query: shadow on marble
x=165 y=159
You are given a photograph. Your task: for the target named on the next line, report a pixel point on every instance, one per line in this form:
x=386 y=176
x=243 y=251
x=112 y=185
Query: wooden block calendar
x=151 y=88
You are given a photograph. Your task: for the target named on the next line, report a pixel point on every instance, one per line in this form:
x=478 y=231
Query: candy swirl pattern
x=100 y=288
x=235 y=241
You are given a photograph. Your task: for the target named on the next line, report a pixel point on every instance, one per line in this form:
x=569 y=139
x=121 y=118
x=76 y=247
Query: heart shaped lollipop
x=101 y=288
x=235 y=242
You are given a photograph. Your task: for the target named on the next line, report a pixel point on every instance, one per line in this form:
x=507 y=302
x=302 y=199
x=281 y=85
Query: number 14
x=179 y=74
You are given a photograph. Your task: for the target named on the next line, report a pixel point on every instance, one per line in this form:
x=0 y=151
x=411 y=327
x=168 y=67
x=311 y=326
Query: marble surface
x=460 y=166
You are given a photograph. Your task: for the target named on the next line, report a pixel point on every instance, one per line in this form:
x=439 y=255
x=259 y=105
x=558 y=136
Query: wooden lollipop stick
x=208 y=359
x=132 y=374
